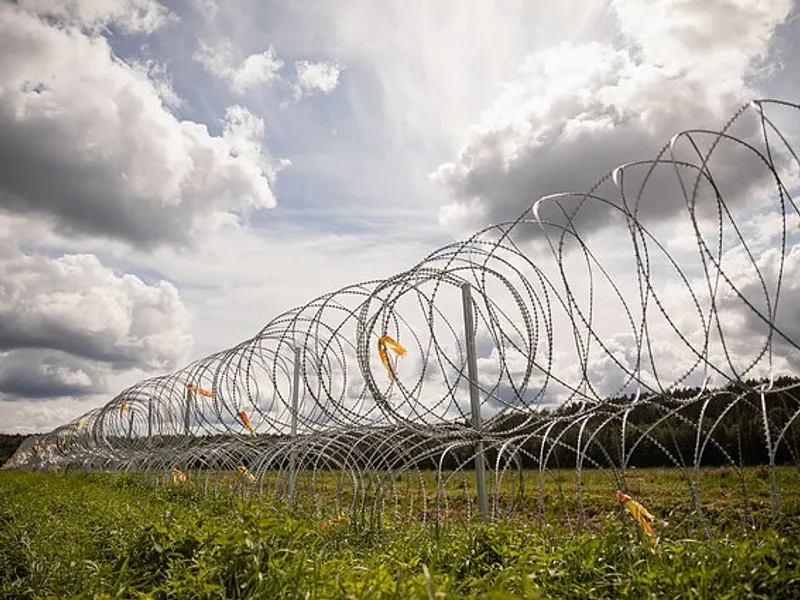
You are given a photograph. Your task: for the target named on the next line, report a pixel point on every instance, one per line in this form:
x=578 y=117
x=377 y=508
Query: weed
x=110 y=535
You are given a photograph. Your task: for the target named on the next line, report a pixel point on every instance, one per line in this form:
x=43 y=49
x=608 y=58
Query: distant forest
x=738 y=429
x=664 y=430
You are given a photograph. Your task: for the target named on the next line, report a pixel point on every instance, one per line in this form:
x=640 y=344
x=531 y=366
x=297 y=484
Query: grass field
x=104 y=535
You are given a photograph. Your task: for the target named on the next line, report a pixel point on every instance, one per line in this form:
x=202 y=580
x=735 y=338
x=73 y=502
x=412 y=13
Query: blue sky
x=175 y=181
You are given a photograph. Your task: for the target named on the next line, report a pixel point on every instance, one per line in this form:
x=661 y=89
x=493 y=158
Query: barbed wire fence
x=560 y=340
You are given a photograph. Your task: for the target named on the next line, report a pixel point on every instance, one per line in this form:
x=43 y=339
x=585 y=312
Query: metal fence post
x=150 y=421
x=474 y=399
x=187 y=411
x=293 y=451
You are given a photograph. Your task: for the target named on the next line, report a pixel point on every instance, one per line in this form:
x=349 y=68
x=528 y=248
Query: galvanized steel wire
x=540 y=286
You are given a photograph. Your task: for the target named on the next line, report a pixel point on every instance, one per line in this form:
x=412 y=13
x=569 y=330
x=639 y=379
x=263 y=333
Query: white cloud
x=757 y=283
x=215 y=59
x=721 y=39
x=256 y=70
x=45 y=374
x=35 y=416
x=695 y=321
x=118 y=163
x=263 y=69
x=156 y=72
x=132 y=16
x=74 y=304
x=73 y=332
x=232 y=300
x=422 y=74
x=243 y=132
x=576 y=111
x=316 y=77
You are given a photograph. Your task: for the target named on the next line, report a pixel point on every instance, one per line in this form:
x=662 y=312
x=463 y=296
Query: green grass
x=731 y=501
x=102 y=535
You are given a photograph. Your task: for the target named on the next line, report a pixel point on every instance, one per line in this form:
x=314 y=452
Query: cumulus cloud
x=256 y=70
x=131 y=16
x=577 y=111
x=722 y=316
x=315 y=77
x=243 y=132
x=86 y=141
x=75 y=305
x=73 y=332
x=158 y=75
x=46 y=374
x=69 y=326
x=263 y=69
x=757 y=300
x=36 y=416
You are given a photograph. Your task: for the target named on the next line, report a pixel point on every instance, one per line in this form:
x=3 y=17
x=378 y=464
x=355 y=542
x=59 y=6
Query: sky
x=174 y=175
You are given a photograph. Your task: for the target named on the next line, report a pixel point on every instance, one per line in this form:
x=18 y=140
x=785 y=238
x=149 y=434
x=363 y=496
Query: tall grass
x=108 y=535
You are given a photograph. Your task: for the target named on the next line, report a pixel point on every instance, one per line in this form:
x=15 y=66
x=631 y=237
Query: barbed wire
x=536 y=343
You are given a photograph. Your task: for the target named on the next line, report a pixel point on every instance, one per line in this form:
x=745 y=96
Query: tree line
x=726 y=425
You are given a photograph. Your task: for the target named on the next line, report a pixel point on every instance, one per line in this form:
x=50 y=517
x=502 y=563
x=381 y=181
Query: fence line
x=657 y=352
